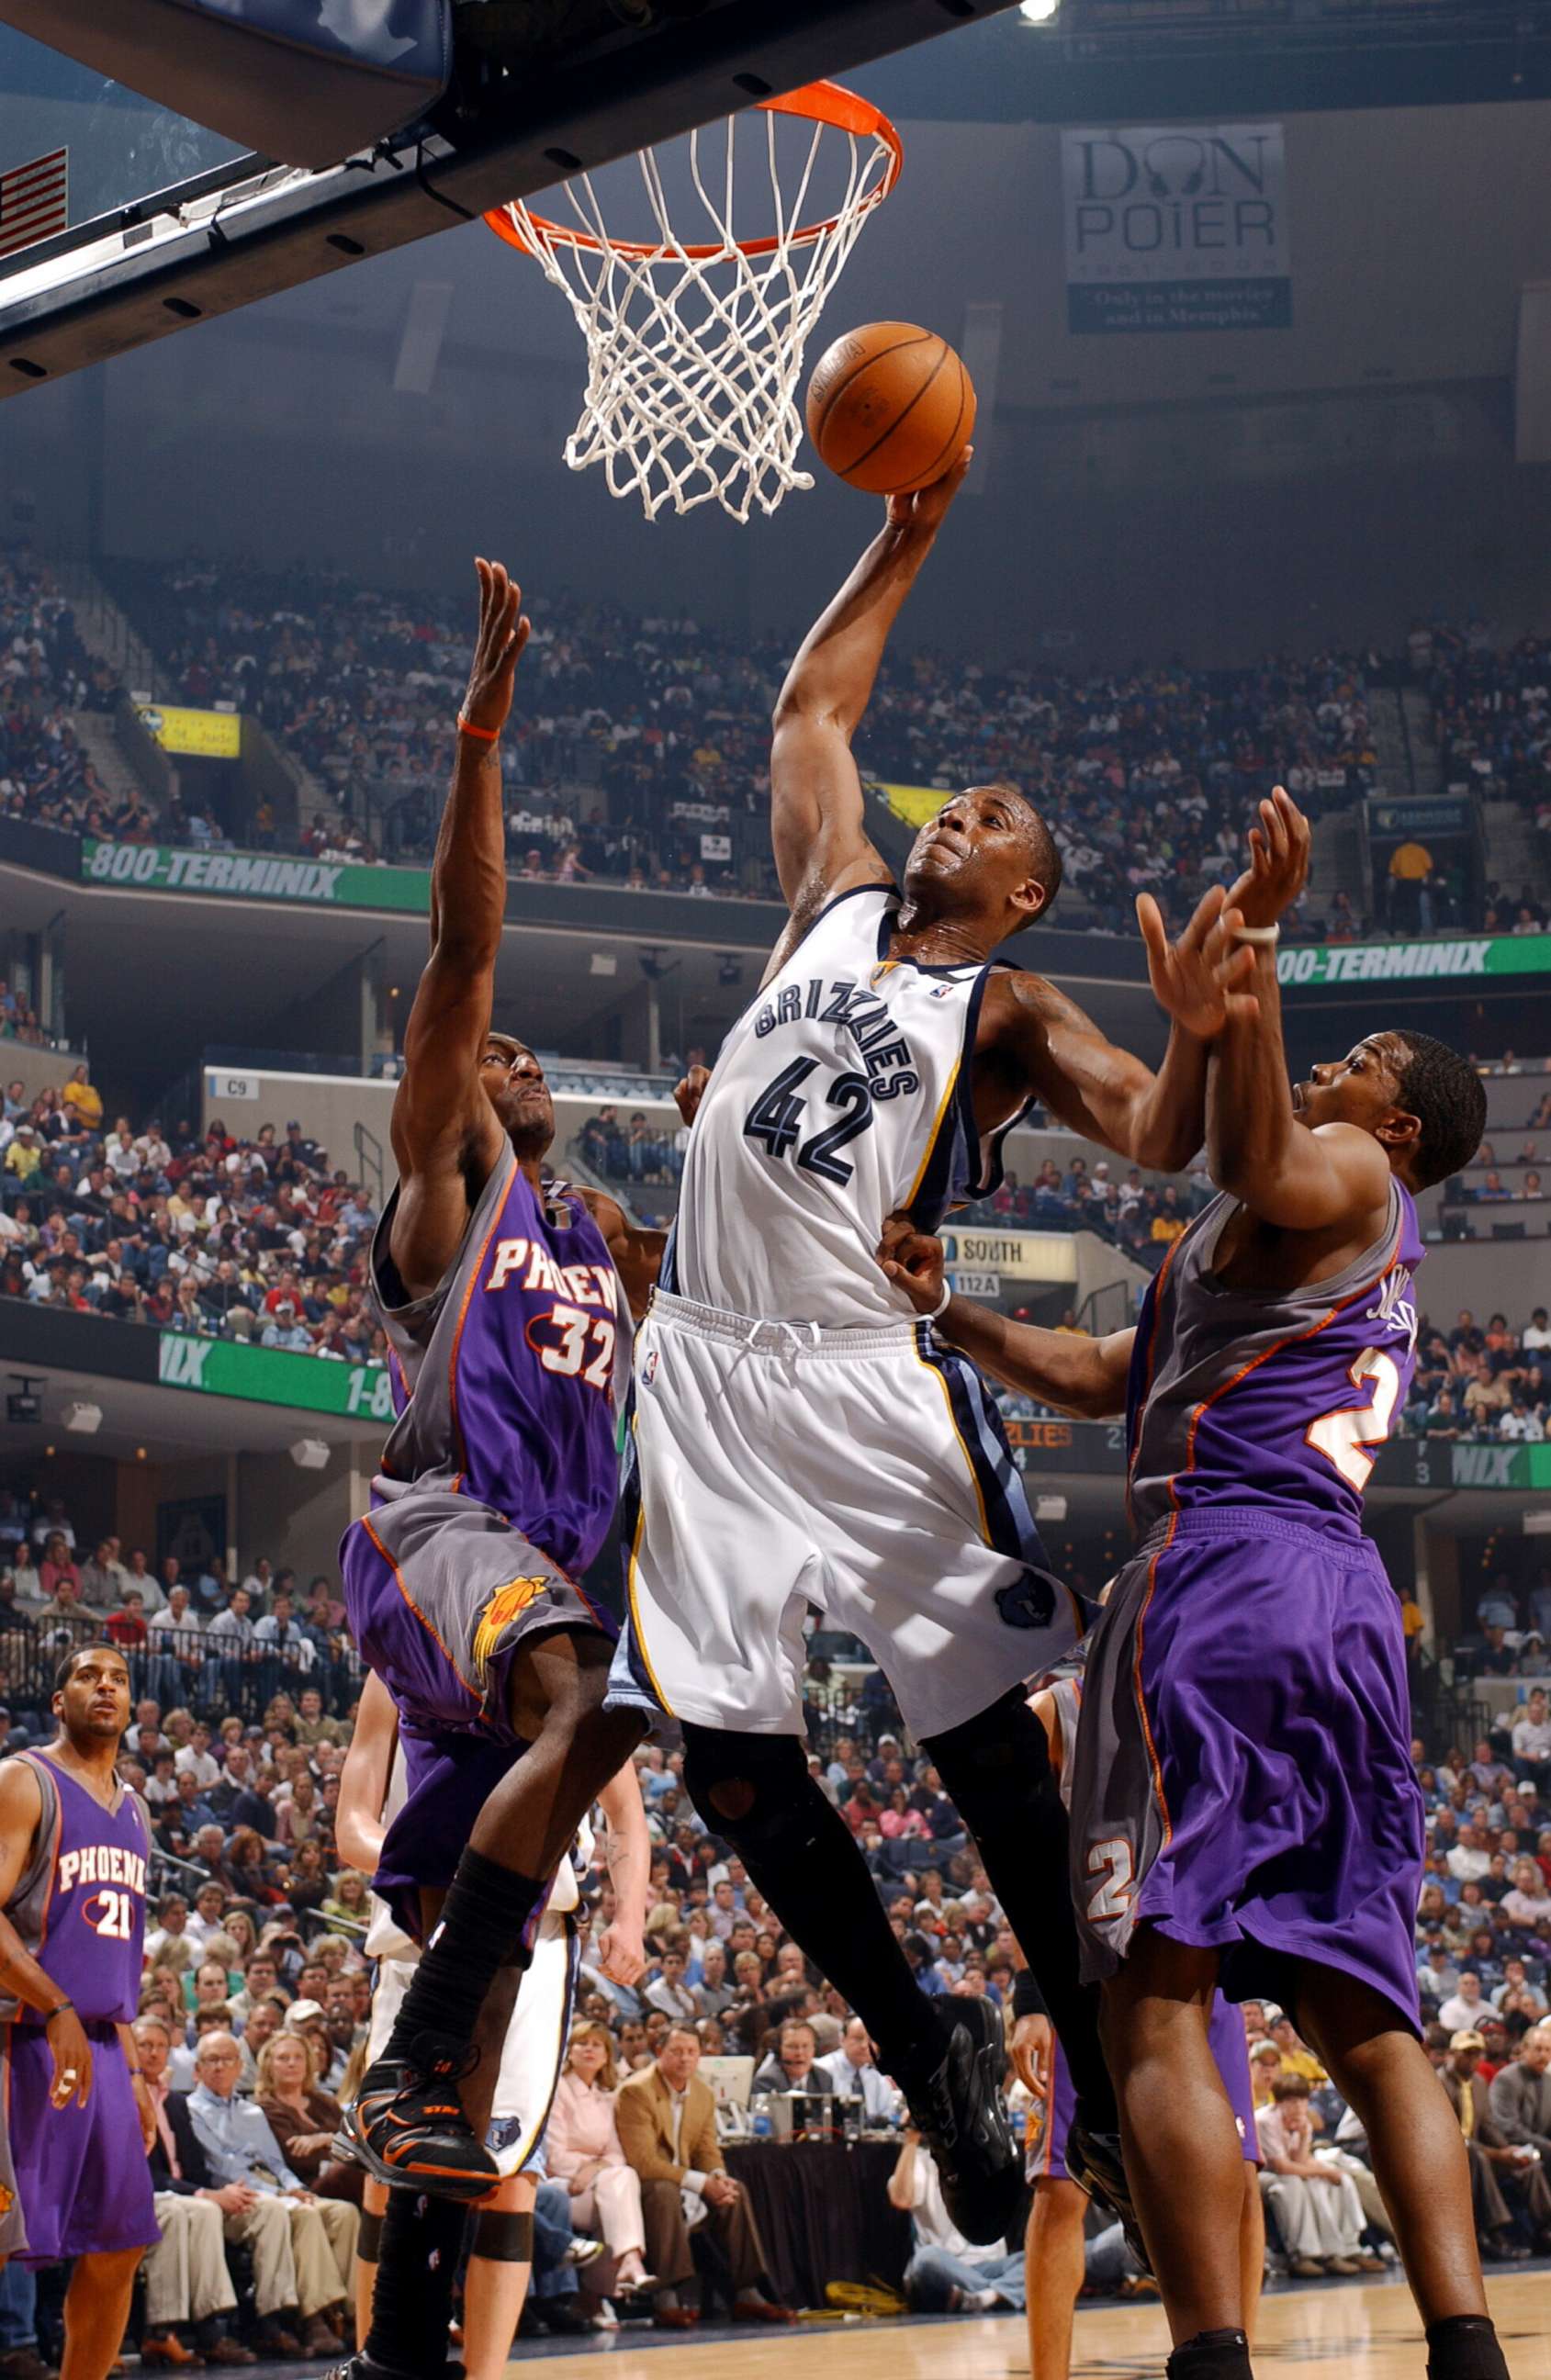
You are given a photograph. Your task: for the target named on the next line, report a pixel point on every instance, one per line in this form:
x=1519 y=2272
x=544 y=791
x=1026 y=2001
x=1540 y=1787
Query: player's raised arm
x=1256 y=1149
x=1082 y=1376
x=446 y=1136
x=817 y=822
x=1106 y=1093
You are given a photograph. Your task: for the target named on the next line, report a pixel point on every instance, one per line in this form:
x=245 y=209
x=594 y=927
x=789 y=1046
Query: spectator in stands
x=855 y=2074
x=303 y=2118
x=83 y=1100
x=104 y=1579
x=1520 y=2095
x=667 y=2128
x=176 y=1636
x=189 y=2293
x=793 y=2066
x=305 y=2263
x=1318 y=2211
x=64 y=1620
x=1531 y=1740
x=582 y=2149
x=945 y=2273
x=1516 y=2170
x=1527 y=1906
x=670 y=1993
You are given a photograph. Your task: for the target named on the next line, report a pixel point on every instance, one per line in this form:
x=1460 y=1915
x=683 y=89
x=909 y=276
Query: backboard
x=170 y=224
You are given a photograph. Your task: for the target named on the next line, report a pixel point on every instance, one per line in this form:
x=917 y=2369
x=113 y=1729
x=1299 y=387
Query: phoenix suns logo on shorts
x=508 y=1603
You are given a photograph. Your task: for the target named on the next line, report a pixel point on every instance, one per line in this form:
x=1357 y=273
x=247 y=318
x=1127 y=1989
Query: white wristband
x=941 y=1306
x=1266 y=934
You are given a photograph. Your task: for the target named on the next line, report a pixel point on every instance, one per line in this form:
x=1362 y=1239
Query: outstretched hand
x=927 y=507
x=914 y=1261
x=503 y=631
x=1198 y=980
x=1279 y=865
x=688 y=1092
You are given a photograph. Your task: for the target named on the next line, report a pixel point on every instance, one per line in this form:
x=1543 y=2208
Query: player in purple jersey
x=1244 y=1807
x=74 y=1843
x=1053 y=2245
x=501 y=1298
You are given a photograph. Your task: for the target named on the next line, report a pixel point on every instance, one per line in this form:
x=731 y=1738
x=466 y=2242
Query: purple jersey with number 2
x=1272 y=1398
x=1244 y=1779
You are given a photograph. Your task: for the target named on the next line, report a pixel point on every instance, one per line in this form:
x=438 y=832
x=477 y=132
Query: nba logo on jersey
x=649 y=1369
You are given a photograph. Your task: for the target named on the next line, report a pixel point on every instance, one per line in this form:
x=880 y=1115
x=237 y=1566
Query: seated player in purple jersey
x=1053 y=2244
x=503 y=1297
x=1242 y=1817
x=74 y=1845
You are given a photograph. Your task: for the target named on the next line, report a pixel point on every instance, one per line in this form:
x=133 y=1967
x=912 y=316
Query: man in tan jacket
x=667 y=2128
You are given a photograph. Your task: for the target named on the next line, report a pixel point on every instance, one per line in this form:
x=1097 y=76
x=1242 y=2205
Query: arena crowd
x=640 y=751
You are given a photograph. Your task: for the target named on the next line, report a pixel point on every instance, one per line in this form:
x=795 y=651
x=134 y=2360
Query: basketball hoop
x=694 y=348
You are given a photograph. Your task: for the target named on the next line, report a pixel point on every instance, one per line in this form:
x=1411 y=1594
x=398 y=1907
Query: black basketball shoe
x=958 y=2109
x=407 y=2128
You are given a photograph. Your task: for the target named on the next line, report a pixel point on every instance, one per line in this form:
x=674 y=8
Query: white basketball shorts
x=534 y=2050
x=775 y=1465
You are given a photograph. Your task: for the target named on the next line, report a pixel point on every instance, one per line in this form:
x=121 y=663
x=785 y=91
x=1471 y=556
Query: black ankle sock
x=412 y=2302
x=1212 y=2355
x=484 y=1920
x=803 y=1859
x=998 y=1773
x=1464 y=2347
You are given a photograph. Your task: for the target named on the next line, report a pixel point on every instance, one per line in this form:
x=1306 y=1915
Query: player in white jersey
x=372 y=1794
x=800 y=1439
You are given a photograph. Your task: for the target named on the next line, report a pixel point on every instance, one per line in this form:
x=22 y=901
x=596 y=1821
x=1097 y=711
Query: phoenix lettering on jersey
x=1396 y=1307
x=583 y=1284
x=865 y=1016
x=101 y=1864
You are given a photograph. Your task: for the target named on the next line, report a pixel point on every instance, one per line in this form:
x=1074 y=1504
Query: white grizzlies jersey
x=841 y=1094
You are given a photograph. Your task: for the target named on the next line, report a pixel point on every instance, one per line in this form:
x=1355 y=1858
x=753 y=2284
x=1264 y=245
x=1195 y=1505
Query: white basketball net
x=693 y=361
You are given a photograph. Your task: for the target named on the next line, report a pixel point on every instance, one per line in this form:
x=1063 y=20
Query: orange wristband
x=480 y=735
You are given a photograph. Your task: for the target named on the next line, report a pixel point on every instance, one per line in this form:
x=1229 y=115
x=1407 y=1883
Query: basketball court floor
x=1347 y=2330
x=1356 y=2332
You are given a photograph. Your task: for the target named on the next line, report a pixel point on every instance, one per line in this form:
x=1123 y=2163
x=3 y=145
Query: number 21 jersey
x=78 y=1906
x=841 y=1094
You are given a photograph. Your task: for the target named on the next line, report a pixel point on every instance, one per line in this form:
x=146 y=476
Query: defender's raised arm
x=1256 y=1149
x=446 y=1135
x=821 y=846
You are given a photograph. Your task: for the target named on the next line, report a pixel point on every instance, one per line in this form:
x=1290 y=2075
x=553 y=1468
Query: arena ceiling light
x=83 y=1416
x=1049 y=1508
x=1039 y=12
x=311 y=1453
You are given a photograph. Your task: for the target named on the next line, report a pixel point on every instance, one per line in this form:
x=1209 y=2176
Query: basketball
x=889 y=407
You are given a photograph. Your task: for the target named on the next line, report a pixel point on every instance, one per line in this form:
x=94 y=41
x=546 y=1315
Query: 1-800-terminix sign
x=1176 y=227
